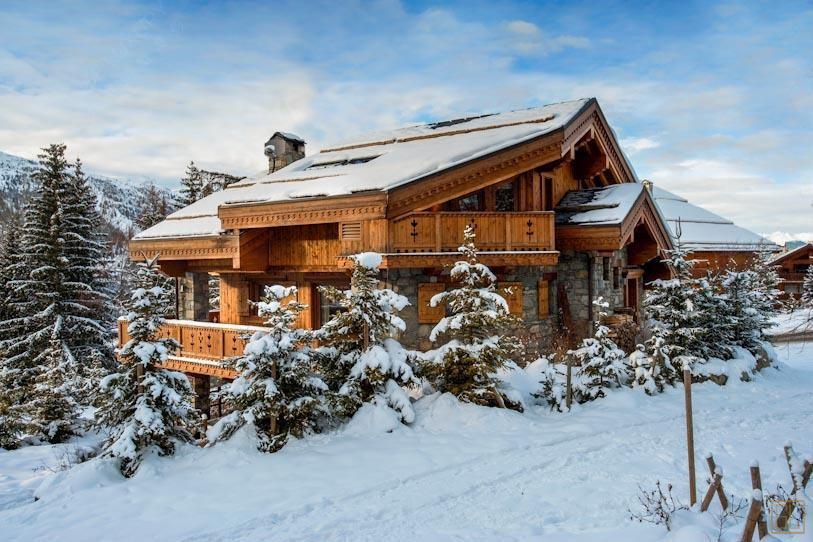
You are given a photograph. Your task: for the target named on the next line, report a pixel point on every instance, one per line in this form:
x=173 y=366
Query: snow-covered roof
x=598 y=206
x=703 y=230
x=793 y=253
x=375 y=162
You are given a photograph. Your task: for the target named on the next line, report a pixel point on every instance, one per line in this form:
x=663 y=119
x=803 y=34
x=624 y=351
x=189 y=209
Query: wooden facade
x=792 y=267
x=508 y=196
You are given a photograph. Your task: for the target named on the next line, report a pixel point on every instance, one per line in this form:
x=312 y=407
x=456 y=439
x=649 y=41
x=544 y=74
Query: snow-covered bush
x=651 y=365
x=277 y=390
x=552 y=384
x=144 y=406
x=360 y=360
x=477 y=332
x=601 y=363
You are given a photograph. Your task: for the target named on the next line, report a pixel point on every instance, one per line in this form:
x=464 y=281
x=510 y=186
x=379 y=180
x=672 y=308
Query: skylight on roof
x=346 y=162
x=453 y=122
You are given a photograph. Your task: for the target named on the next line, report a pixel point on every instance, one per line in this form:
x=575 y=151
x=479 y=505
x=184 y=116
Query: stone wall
x=577 y=270
x=194 y=297
x=537 y=331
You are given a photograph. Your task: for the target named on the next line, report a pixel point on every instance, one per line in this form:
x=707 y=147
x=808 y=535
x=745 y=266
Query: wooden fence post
x=687 y=390
x=716 y=486
x=754 y=512
x=569 y=391
x=756 y=484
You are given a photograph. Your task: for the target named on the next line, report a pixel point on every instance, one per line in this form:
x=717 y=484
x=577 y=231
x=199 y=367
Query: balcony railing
x=201 y=340
x=443 y=231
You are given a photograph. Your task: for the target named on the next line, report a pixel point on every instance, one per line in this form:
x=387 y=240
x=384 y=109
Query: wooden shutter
x=514 y=297
x=427 y=314
x=350 y=231
x=543 y=299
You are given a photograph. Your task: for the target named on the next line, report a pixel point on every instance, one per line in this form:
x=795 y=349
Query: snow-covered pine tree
x=601 y=363
x=477 y=331
x=738 y=311
x=144 y=406
x=672 y=305
x=12 y=393
x=37 y=297
x=807 y=288
x=651 y=364
x=191 y=186
x=277 y=390
x=154 y=207
x=89 y=312
x=361 y=361
x=53 y=408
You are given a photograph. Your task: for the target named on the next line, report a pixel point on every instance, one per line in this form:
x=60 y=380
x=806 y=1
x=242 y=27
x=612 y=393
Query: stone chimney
x=282 y=149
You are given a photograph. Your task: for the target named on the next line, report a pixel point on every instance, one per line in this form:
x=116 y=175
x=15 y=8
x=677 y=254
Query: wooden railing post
x=438 y=232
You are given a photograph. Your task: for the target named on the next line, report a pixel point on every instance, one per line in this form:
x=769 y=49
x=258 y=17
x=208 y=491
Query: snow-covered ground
x=460 y=472
x=795 y=323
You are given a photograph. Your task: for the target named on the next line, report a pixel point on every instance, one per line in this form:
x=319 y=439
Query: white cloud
x=523 y=28
x=782 y=237
x=634 y=145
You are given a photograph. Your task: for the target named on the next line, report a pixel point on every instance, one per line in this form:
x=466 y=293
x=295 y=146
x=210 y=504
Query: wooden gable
x=643 y=214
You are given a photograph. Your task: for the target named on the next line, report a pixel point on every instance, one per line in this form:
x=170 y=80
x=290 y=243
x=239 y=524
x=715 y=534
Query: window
x=472 y=202
x=328 y=308
x=504 y=198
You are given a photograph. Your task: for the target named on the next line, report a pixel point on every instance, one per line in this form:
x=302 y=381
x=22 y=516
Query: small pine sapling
x=479 y=343
x=361 y=361
x=551 y=385
x=601 y=362
x=145 y=406
x=277 y=390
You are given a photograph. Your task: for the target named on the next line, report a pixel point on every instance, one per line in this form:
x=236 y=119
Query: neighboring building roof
x=376 y=162
x=596 y=206
x=702 y=230
x=798 y=251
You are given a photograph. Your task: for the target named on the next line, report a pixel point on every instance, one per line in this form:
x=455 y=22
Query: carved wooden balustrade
x=443 y=231
x=203 y=345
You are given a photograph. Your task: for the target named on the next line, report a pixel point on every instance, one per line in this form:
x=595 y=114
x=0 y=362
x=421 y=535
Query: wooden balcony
x=438 y=232
x=204 y=345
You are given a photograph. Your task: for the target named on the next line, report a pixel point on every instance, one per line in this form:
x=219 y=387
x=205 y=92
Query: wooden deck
x=439 y=232
x=204 y=345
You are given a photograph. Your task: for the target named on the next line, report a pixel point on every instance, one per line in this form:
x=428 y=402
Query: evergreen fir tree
x=807 y=288
x=12 y=393
x=479 y=342
x=651 y=364
x=191 y=186
x=89 y=312
x=277 y=390
x=53 y=408
x=154 y=208
x=672 y=304
x=144 y=406
x=601 y=362
x=360 y=360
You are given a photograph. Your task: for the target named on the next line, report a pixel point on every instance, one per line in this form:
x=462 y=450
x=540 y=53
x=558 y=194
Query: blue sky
x=711 y=100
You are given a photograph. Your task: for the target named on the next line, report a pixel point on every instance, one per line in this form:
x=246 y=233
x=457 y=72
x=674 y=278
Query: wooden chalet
x=557 y=209
x=792 y=267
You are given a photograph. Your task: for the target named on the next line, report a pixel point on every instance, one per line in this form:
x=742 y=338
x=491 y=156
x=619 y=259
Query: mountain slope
x=118 y=201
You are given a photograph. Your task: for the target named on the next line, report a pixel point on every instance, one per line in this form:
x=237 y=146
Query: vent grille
x=351 y=231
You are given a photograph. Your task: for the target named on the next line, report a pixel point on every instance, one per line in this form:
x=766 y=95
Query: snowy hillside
x=461 y=472
x=118 y=200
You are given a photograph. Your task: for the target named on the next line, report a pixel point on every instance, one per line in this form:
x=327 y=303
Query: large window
x=504 y=198
x=327 y=308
